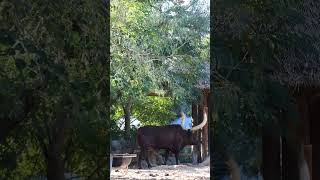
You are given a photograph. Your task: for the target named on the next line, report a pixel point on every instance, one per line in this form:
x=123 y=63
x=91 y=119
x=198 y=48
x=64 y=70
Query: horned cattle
x=172 y=138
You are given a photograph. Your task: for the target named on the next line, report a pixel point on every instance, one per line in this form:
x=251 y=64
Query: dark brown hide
x=170 y=137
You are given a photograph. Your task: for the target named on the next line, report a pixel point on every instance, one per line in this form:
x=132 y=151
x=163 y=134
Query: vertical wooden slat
x=200 y=118
x=205 y=128
x=205 y=135
x=195 y=116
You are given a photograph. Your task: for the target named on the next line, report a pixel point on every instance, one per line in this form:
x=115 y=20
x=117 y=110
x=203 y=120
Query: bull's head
x=192 y=137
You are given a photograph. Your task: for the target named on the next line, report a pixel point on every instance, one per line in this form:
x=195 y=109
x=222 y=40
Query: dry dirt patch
x=183 y=171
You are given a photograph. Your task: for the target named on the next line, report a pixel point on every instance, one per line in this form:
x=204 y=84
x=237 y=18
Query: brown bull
x=169 y=137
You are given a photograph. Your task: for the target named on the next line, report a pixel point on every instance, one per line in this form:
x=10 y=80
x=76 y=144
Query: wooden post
x=205 y=128
x=200 y=118
x=195 y=117
x=205 y=135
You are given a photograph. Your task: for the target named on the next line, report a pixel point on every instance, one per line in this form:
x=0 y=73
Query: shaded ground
x=182 y=171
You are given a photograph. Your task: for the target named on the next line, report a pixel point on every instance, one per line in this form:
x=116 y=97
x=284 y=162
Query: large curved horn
x=205 y=119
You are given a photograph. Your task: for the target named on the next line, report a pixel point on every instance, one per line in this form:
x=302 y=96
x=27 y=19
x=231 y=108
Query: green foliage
x=149 y=111
x=249 y=37
x=154 y=111
x=141 y=34
x=156 y=46
x=54 y=86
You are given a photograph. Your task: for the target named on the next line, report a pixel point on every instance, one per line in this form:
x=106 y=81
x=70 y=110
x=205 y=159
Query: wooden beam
x=205 y=134
x=195 y=116
x=200 y=118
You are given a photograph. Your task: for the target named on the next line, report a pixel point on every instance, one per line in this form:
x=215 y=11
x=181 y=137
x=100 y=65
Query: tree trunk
x=127 y=114
x=314 y=134
x=196 y=148
x=55 y=164
x=290 y=159
x=271 y=169
x=200 y=118
x=56 y=148
x=205 y=135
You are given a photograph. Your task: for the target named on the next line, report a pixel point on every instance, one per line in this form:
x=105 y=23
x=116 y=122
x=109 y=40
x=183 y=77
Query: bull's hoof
x=149 y=166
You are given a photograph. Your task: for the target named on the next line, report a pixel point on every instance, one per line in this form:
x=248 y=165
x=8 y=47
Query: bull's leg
x=166 y=157
x=147 y=159
x=177 y=157
x=140 y=158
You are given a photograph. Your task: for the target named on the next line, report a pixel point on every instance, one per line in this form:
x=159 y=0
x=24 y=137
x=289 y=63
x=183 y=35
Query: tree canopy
x=54 y=88
x=250 y=40
x=157 y=47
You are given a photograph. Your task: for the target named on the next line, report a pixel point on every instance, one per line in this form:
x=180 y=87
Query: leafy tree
x=250 y=39
x=156 y=46
x=54 y=88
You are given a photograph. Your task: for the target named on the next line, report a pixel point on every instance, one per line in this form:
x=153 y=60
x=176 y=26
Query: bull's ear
x=189 y=130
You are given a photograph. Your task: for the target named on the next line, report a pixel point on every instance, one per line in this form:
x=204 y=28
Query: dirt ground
x=182 y=171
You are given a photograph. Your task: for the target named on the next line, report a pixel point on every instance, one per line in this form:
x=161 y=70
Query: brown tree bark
x=200 y=118
x=205 y=136
x=55 y=163
x=56 y=147
x=127 y=114
x=271 y=168
x=290 y=159
x=314 y=134
x=196 y=148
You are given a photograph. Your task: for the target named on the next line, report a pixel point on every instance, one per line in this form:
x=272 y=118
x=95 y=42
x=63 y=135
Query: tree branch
x=243 y=59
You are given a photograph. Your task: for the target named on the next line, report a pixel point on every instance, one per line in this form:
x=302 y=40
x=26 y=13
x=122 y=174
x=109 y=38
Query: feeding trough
x=121 y=161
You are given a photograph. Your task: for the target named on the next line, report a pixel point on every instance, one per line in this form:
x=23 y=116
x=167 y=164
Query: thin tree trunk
x=271 y=169
x=55 y=164
x=290 y=160
x=195 y=152
x=127 y=114
x=271 y=145
x=314 y=134
x=56 y=148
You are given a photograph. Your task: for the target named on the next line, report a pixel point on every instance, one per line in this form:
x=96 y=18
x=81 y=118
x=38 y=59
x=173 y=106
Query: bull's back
x=157 y=136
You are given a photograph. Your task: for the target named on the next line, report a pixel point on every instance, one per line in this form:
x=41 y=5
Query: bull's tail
x=137 y=146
